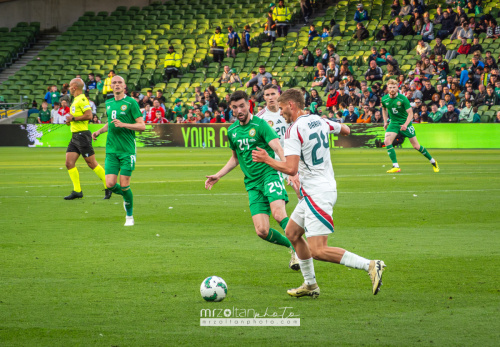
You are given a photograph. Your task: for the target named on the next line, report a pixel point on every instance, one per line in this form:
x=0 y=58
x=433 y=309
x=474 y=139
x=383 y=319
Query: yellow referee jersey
x=78 y=108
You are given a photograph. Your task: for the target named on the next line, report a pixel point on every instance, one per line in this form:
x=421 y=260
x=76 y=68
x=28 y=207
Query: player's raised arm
x=230 y=165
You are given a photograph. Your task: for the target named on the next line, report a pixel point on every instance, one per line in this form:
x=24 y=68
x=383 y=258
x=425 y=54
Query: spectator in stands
x=217 y=118
x=353 y=98
x=343 y=97
x=392 y=66
x=156 y=107
x=395 y=8
x=427 y=30
x=497 y=118
x=461 y=16
x=331 y=83
x=397 y=26
x=480 y=97
x=63 y=112
x=146 y=100
x=217 y=42
x=235 y=78
x=330 y=53
x=282 y=16
x=258 y=78
x=312 y=33
x=439 y=48
x=257 y=93
x=423 y=48
x=99 y=83
x=214 y=98
x=91 y=103
x=146 y=112
x=159 y=117
x=44 y=114
x=172 y=63
x=270 y=28
x=374 y=56
x=198 y=94
x=418 y=26
x=361 y=32
x=427 y=68
x=490 y=63
x=491 y=98
x=428 y=91
x=54 y=114
x=466 y=97
x=307 y=96
x=320 y=81
x=51 y=93
x=405 y=9
x=384 y=34
x=417 y=6
x=335 y=28
x=325 y=34
x=435 y=115
x=374 y=73
x=226 y=75
x=332 y=69
x=180 y=120
x=245 y=39
x=407 y=29
x=233 y=41
x=305 y=59
x=306 y=9
x=438 y=16
x=481 y=26
x=65 y=94
x=447 y=25
x=451 y=116
x=107 y=91
x=316 y=98
x=318 y=58
x=361 y=14
x=365 y=116
x=177 y=108
x=351 y=116
x=476 y=63
x=95 y=119
x=365 y=96
x=91 y=83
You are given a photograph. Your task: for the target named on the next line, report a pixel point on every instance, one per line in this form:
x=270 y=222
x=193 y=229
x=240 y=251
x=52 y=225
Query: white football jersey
x=277 y=122
x=308 y=137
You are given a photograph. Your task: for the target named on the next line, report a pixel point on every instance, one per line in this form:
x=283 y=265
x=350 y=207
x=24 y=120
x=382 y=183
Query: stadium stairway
x=28 y=56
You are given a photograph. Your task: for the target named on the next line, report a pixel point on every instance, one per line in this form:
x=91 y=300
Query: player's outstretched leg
x=320 y=251
x=425 y=153
x=278 y=211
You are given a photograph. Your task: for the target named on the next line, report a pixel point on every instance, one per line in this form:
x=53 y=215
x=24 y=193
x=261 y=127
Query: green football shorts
x=396 y=128
x=122 y=163
x=260 y=197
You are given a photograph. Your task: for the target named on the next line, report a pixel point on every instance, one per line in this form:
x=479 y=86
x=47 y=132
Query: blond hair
x=294 y=95
x=392 y=81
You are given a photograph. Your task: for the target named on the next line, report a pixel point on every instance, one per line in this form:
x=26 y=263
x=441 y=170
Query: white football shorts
x=314 y=213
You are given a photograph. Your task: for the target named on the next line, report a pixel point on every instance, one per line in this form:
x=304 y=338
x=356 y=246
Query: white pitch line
x=244 y=194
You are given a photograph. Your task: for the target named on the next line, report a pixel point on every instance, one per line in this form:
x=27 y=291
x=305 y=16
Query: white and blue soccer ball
x=213 y=288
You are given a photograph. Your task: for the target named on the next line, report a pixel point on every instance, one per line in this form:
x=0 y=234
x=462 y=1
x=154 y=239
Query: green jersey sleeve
x=406 y=103
x=267 y=133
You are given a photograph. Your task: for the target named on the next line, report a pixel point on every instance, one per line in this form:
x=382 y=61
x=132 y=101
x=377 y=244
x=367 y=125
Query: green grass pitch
x=72 y=275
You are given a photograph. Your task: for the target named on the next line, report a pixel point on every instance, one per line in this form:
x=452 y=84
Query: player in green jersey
x=126 y=119
x=266 y=191
x=397 y=107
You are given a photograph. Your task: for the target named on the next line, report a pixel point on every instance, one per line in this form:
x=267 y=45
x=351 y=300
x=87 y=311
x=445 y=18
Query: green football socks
x=128 y=197
x=392 y=154
x=275 y=237
x=425 y=153
x=116 y=189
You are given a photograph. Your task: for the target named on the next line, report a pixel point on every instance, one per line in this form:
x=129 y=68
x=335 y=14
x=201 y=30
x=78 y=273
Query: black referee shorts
x=81 y=143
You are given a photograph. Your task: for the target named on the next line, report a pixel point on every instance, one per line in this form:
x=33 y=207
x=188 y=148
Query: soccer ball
x=213 y=288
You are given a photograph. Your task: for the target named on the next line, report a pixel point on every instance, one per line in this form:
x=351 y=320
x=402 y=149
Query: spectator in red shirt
x=464 y=47
x=63 y=110
x=180 y=119
x=217 y=118
x=159 y=119
x=156 y=107
x=332 y=98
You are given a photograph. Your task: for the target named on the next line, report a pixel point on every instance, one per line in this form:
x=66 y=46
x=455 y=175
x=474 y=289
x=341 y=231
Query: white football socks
x=307 y=268
x=395 y=165
x=355 y=261
x=433 y=161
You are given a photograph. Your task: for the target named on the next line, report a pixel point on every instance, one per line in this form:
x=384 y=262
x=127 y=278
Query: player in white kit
x=307 y=151
x=272 y=115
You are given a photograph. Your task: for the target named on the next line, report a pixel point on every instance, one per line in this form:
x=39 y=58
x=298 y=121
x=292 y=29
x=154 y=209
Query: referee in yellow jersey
x=81 y=140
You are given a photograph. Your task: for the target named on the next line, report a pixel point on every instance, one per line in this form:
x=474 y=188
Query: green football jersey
x=121 y=140
x=497 y=92
x=44 y=115
x=396 y=107
x=243 y=139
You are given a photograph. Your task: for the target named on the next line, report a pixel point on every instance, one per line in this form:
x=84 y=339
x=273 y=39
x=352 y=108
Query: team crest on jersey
x=399 y=103
x=252 y=132
x=123 y=108
x=270 y=122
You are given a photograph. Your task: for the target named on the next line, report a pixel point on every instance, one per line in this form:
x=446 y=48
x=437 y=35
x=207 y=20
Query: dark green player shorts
x=396 y=128
x=260 y=197
x=123 y=163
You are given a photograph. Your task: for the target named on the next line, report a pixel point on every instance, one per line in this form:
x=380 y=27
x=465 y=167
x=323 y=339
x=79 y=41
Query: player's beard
x=393 y=94
x=243 y=121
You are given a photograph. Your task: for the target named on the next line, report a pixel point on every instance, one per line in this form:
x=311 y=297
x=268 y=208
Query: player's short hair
x=391 y=82
x=294 y=95
x=237 y=96
x=271 y=86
